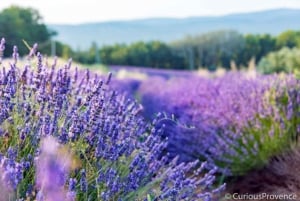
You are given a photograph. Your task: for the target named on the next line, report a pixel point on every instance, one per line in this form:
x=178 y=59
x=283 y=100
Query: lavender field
x=73 y=134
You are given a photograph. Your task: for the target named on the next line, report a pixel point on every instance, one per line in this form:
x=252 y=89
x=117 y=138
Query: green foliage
x=285 y=60
x=288 y=39
x=153 y=54
x=219 y=48
x=255 y=46
x=210 y=50
x=17 y=24
x=91 y=56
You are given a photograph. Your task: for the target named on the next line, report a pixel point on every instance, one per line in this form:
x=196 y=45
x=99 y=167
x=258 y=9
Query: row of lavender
x=236 y=122
x=66 y=136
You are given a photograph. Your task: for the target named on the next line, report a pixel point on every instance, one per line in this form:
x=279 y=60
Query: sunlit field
x=173 y=108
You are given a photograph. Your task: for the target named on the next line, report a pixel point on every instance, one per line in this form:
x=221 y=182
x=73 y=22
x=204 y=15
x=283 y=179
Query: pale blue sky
x=79 y=11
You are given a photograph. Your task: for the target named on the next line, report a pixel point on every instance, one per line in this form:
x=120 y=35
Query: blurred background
x=189 y=35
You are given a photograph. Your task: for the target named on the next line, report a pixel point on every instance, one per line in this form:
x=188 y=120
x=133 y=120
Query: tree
x=153 y=54
x=267 y=44
x=285 y=60
x=288 y=39
x=18 y=24
x=255 y=46
x=210 y=50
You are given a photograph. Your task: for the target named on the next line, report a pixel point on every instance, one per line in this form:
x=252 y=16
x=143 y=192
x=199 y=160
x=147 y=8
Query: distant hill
x=169 y=29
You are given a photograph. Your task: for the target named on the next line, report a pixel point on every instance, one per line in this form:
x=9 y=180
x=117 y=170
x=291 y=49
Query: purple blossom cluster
x=52 y=170
x=117 y=154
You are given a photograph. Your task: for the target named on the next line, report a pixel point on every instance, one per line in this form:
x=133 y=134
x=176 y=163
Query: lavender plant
x=239 y=123
x=210 y=106
x=116 y=154
x=274 y=131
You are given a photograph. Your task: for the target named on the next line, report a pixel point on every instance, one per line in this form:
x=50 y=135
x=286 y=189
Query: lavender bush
x=65 y=136
x=238 y=122
x=274 y=130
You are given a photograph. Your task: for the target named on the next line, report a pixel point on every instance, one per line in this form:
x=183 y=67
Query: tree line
x=210 y=50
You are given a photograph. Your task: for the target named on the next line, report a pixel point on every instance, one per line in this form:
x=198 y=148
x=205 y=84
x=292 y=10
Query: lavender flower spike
x=52 y=169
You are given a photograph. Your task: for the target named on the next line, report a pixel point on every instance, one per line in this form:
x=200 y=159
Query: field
x=77 y=133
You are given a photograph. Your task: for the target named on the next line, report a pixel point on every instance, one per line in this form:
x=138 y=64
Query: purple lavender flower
x=71 y=194
x=83 y=181
x=52 y=171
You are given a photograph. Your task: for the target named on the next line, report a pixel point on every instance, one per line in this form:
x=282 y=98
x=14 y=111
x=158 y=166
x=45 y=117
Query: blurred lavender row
x=216 y=119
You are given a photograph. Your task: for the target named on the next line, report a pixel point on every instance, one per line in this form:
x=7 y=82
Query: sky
x=82 y=11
